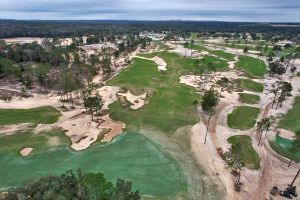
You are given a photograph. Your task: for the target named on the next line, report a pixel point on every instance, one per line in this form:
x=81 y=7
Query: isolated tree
x=295 y=148
x=285 y=89
x=209 y=100
x=276 y=68
x=264 y=125
x=93 y=105
x=246 y=49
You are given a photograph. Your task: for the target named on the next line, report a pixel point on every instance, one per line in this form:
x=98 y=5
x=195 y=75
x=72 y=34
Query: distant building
x=285 y=42
x=152 y=35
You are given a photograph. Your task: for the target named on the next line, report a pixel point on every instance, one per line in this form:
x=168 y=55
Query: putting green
x=131 y=156
x=282 y=145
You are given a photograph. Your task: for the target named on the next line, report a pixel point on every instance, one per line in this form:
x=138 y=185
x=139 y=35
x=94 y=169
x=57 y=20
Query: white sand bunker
x=26 y=151
x=108 y=94
x=136 y=101
x=161 y=64
x=83 y=132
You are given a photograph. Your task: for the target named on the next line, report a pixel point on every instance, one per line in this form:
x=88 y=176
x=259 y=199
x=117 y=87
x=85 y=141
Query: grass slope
x=171 y=103
x=249 y=98
x=40 y=115
x=291 y=121
x=219 y=53
x=242 y=117
x=282 y=145
x=16 y=142
x=248 y=155
x=250 y=85
x=253 y=67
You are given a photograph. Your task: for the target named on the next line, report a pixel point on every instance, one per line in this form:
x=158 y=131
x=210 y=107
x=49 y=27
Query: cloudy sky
x=221 y=10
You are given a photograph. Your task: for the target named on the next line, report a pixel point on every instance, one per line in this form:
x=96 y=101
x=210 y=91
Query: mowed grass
x=40 y=115
x=253 y=67
x=40 y=141
x=218 y=64
x=243 y=117
x=249 y=98
x=219 y=53
x=170 y=104
x=291 y=121
x=250 y=85
x=282 y=147
x=248 y=154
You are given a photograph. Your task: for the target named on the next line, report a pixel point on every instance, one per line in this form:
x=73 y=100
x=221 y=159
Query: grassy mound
x=242 y=117
x=170 y=103
x=40 y=115
x=249 y=98
x=253 y=67
x=248 y=155
x=291 y=121
x=250 y=85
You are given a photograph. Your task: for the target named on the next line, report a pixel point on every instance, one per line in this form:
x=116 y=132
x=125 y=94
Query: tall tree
x=209 y=100
x=264 y=125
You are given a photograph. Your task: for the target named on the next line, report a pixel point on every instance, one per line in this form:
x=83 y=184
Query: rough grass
x=243 y=117
x=291 y=121
x=298 y=74
x=170 y=103
x=43 y=140
x=40 y=115
x=249 y=98
x=219 y=64
x=250 y=85
x=248 y=154
x=253 y=67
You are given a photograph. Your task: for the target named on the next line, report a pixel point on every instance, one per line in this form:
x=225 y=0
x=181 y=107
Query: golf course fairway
x=131 y=156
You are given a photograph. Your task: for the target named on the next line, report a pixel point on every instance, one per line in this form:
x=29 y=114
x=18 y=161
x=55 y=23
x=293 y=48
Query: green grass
x=248 y=154
x=249 y=98
x=282 y=145
x=219 y=64
x=219 y=53
x=243 y=117
x=250 y=85
x=171 y=103
x=41 y=141
x=41 y=115
x=291 y=121
x=298 y=74
x=253 y=67
x=131 y=156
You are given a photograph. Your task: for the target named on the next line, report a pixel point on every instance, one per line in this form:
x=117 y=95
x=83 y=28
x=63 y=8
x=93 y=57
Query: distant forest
x=39 y=28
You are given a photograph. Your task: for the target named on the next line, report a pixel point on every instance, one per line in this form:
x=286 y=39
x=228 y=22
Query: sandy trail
x=273 y=168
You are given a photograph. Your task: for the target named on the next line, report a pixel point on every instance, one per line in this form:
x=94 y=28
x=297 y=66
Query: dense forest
x=38 y=28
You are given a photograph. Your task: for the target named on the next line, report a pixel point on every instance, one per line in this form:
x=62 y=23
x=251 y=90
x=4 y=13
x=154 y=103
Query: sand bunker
x=116 y=128
x=161 y=64
x=26 y=151
x=108 y=94
x=136 y=101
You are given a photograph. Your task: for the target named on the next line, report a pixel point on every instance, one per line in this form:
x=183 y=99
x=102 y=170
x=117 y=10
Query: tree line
x=73 y=185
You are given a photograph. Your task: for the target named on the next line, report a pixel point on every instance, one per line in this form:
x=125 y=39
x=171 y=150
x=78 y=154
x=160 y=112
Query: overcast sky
x=220 y=10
